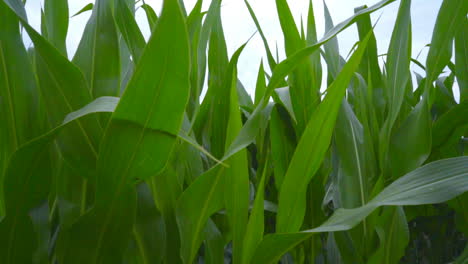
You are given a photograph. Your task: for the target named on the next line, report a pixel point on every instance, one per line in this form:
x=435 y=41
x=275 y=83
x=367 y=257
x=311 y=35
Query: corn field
x=117 y=155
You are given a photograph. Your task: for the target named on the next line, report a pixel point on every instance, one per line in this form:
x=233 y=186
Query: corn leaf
x=435 y=182
x=102 y=72
x=311 y=149
x=450 y=19
x=461 y=59
x=146 y=116
x=56 y=22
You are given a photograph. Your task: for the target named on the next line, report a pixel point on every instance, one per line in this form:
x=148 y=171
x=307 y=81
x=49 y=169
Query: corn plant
x=114 y=156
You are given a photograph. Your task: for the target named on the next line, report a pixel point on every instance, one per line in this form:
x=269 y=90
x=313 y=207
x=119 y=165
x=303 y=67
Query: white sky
x=238 y=26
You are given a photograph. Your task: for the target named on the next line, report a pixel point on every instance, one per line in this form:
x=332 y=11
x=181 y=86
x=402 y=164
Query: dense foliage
x=115 y=157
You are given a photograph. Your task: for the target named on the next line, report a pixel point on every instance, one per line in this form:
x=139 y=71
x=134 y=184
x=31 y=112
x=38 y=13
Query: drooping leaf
x=150 y=15
x=435 y=182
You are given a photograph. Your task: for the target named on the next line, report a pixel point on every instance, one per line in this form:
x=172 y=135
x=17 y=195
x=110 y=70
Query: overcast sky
x=238 y=26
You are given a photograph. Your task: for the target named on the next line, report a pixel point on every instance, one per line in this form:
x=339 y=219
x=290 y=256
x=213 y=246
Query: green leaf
x=236 y=194
x=410 y=144
x=64 y=90
x=283 y=143
x=149 y=229
x=304 y=98
x=98 y=54
x=150 y=15
x=19 y=108
x=215 y=107
x=312 y=39
x=435 y=182
x=214 y=251
x=129 y=30
x=255 y=225
x=370 y=64
x=56 y=22
x=194 y=26
x=201 y=199
x=351 y=146
x=445 y=127
x=393 y=232
x=148 y=115
x=397 y=69
x=451 y=17
x=332 y=50
x=192 y=213
x=461 y=60
x=87 y=7
x=271 y=60
x=311 y=149
x=27 y=185
x=251 y=126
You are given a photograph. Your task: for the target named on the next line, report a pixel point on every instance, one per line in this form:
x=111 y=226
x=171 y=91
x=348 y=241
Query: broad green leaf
x=194 y=26
x=255 y=226
x=435 y=182
x=148 y=115
x=64 y=90
x=445 y=127
x=312 y=39
x=201 y=199
x=208 y=188
x=150 y=15
x=450 y=19
x=208 y=25
x=461 y=60
x=393 y=233
x=19 y=107
x=236 y=194
x=304 y=96
x=149 y=230
x=351 y=146
x=251 y=126
x=212 y=119
x=129 y=30
x=214 y=250
x=283 y=142
x=311 y=149
x=27 y=185
x=332 y=50
x=369 y=64
x=98 y=54
x=56 y=22
x=397 y=69
x=410 y=145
